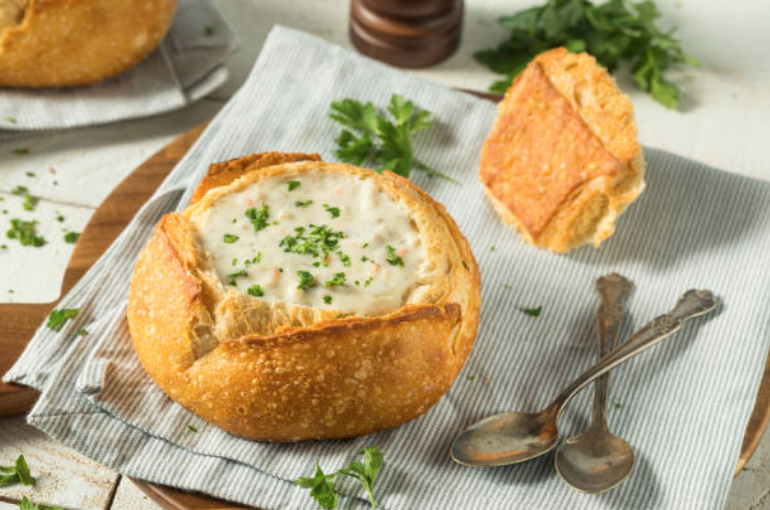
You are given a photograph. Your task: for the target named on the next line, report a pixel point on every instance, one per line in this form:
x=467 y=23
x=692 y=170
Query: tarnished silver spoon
x=597 y=460
x=514 y=437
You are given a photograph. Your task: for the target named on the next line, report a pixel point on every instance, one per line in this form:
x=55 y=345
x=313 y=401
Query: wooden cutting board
x=18 y=322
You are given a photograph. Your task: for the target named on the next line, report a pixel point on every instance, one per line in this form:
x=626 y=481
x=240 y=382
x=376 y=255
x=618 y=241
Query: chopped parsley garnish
x=21 y=151
x=368 y=281
x=618 y=405
x=11 y=120
x=364 y=259
x=322 y=487
x=259 y=218
x=294 y=185
x=59 y=318
x=306 y=280
x=339 y=279
x=20 y=190
x=387 y=143
x=81 y=332
x=255 y=260
x=31 y=174
x=533 y=312
x=319 y=239
x=492 y=248
x=60 y=218
x=18 y=473
x=191 y=428
x=328 y=300
x=316 y=264
x=30 y=202
x=300 y=203
x=237 y=274
x=334 y=211
x=25 y=232
x=344 y=258
x=230 y=238
x=255 y=290
x=365 y=245
x=71 y=237
x=471 y=377
x=26 y=504
x=393 y=259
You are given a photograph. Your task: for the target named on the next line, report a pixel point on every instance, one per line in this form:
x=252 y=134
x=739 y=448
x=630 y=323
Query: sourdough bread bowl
x=65 y=43
x=297 y=300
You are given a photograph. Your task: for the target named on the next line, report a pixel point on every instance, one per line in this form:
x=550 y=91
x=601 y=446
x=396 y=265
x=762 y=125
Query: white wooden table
x=725 y=122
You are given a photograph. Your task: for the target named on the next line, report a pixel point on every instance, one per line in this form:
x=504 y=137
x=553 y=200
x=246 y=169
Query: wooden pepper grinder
x=406 y=33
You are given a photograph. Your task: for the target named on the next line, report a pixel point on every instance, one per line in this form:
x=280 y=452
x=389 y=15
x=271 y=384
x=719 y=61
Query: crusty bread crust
x=562 y=161
x=65 y=43
x=280 y=372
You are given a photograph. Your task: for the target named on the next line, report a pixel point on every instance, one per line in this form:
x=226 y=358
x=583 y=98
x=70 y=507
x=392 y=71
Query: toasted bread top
x=562 y=125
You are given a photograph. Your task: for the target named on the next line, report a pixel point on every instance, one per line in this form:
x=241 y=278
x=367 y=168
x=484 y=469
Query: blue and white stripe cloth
x=685 y=403
x=188 y=64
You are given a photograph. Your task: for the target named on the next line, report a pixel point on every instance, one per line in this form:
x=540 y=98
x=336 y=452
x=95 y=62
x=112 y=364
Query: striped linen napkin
x=685 y=403
x=187 y=65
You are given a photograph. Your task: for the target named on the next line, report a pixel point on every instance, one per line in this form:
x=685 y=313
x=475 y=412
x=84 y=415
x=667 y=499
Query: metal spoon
x=514 y=437
x=597 y=460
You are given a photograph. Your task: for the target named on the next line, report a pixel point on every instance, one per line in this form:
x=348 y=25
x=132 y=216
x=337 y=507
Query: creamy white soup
x=322 y=240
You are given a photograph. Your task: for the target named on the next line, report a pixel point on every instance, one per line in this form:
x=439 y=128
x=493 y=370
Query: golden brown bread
x=64 y=43
x=281 y=372
x=562 y=161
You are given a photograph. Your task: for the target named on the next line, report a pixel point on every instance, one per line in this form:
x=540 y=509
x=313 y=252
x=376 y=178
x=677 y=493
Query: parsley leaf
x=18 y=473
x=59 y=318
x=259 y=218
x=322 y=487
x=393 y=259
x=71 y=237
x=300 y=203
x=334 y=211
x=230 y=238
x=25 y=232
x=306 y=280
x=613 y=32
x=533 y=312
x=387 y=143
x=339 y=279
x=255 y=290
x=328 y=299
x=293 y=185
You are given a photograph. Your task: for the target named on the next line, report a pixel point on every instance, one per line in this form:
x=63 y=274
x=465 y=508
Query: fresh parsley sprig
x=614 y=31
x=26 y=504
x=387 y=143
x=18 y=473
x=58 y=318
x=322 y=485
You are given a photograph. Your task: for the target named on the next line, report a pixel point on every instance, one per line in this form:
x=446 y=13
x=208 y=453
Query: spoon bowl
x=506 y=438
x=595 y=461
x=514 y=437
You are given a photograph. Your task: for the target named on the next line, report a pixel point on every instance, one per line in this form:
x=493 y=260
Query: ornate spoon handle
x=613 y=289
x=693 y=303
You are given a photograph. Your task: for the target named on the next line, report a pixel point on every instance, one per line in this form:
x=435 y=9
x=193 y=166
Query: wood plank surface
x=105 y=225
x=64 y=477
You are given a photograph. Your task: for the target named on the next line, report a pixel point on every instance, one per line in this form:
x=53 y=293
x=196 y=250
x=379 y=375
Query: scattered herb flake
x=59 y=318
x=81 y=332
x=328 y=299
x=230 y=238
x=294 y=185
x=10 y=119
x=71 y=237
x=471 y=377
x=533 y=312
x=31 y=174
x=18 y=473
x=25 y=232
x=21 y=151
x=209 y=30
x=344 y=258
x=301 y=203
x=618 y=405
x=393 y=259
x=339 y=279
x=191 y=428
x=60 y=218
x=368 y=281
x=30 y=202
x=306 y=280
x=492 y=248
x=259 y=218
x=334 y=211
x=255 y=290
x=20 y=190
